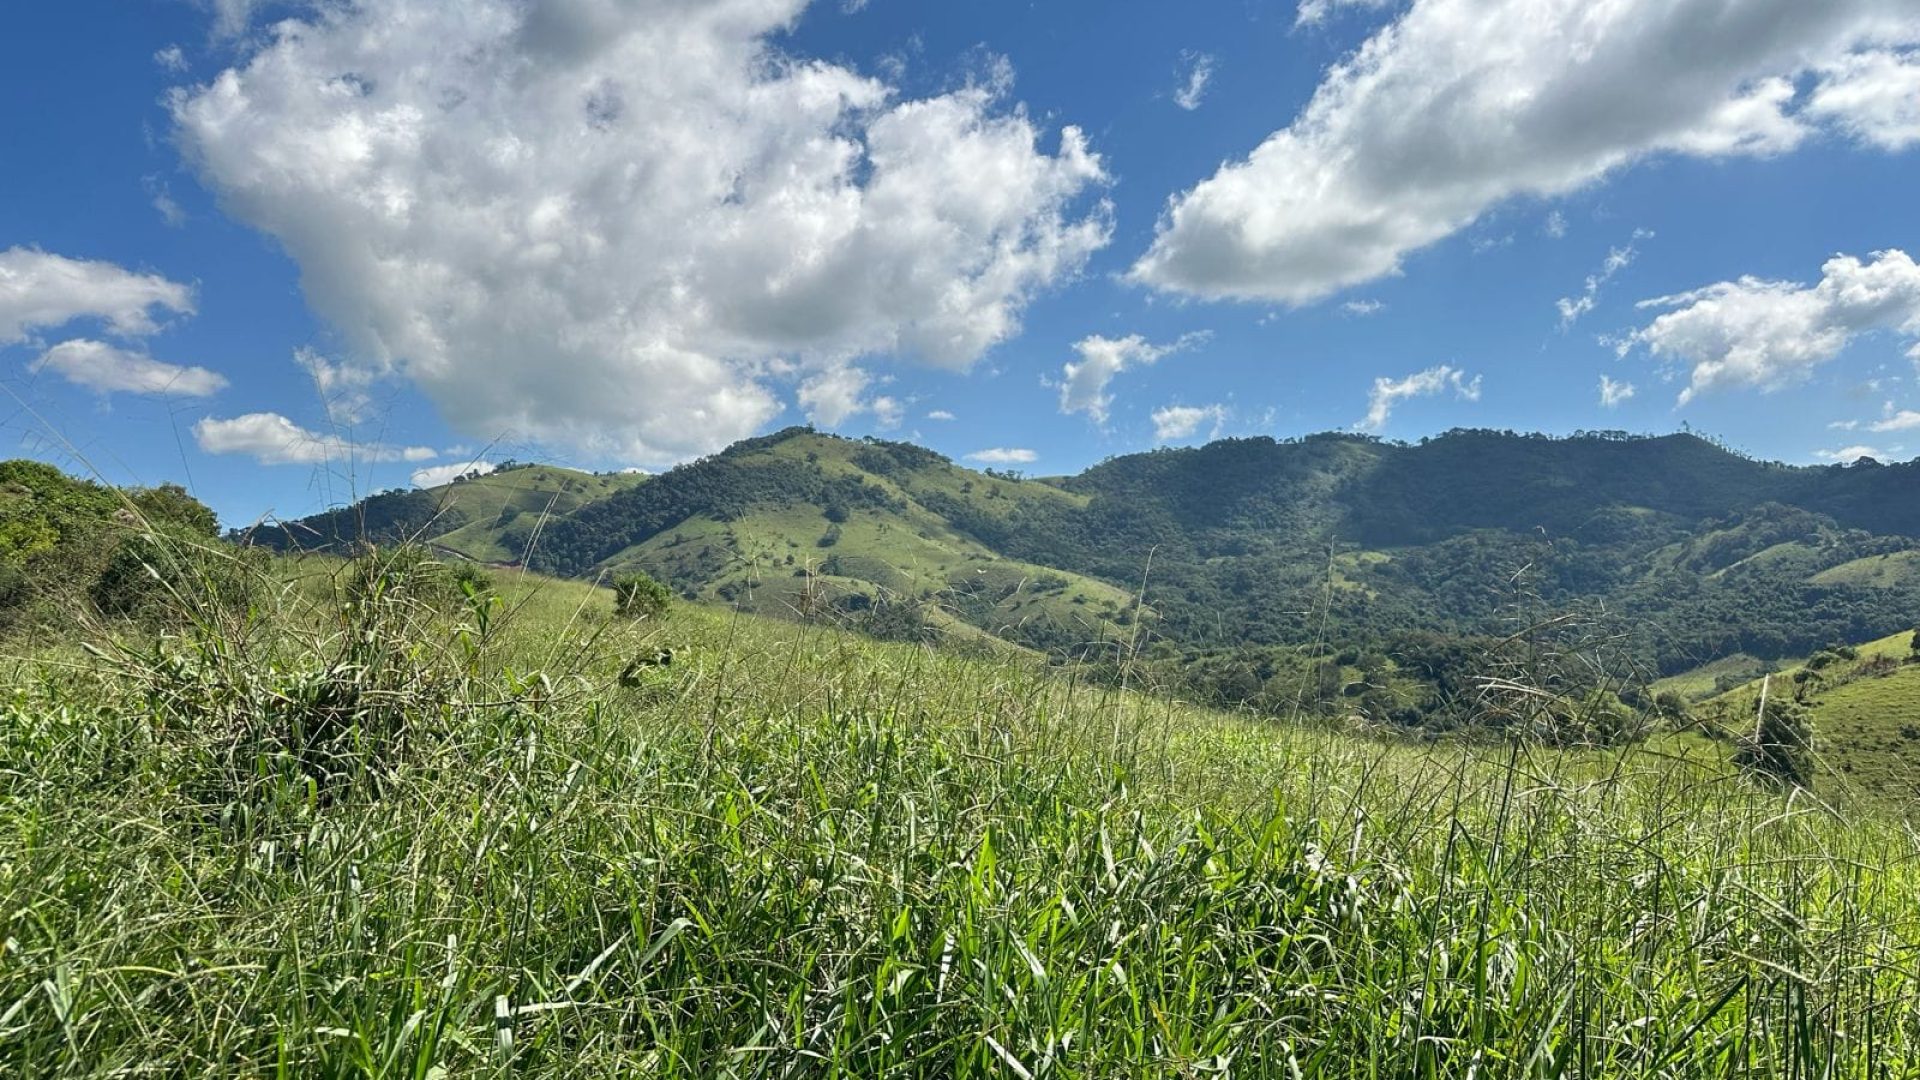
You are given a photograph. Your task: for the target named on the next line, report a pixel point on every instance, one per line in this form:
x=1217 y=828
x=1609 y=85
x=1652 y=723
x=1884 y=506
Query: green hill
x=1864 y=705
x=1683 y=551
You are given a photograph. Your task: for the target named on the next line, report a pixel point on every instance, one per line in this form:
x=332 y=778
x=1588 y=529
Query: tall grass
x=436 y=837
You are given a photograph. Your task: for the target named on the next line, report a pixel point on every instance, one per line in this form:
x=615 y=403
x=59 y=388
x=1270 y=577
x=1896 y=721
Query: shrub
x=638 y=596
x=409 y=573
x=1781 y=746
x=168 y=577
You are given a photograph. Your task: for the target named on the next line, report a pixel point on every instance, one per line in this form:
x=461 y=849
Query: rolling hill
x=1688 y=552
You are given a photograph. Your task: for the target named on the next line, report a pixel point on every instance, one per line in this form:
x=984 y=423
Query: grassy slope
x=796 y=851
x=521 y=497
x=773 y=560
x=1879 y=571
x=1866 y=721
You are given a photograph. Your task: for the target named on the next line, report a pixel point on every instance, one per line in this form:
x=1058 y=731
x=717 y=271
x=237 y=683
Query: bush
x=1781 y=748
x=638 y=596
x=167 y=577
x=409 y=573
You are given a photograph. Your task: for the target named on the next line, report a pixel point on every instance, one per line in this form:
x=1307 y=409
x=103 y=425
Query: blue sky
x=287 y=253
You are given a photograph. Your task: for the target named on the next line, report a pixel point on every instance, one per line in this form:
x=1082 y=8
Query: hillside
x=459 y=840
x=486 y=518
x=1689 y=552
x=1863 y=704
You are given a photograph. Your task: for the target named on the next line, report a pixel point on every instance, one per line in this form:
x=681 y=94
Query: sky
x=291 y=253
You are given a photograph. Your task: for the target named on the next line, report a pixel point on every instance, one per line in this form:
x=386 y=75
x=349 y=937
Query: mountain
x=1687 y=551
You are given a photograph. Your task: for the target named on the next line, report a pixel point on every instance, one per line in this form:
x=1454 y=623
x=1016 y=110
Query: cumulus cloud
x=1769 y=334
x=42 y=291
x=1874 y=97
x=1555 y=226
x=107 y=369
x=1850 y=454
x=1388 y=393
x=1001 y=455
x=1083 y=383
x=436 y=475
x=1363 y=308
x=1613 y=394
x=831 y=396
x=1193 y=86
x=1891 y=419
x=1460 y=105
x=1181 y=421
x=1904 y=420
x=940 y=414
x=171 y=59
x=620 y=226
x=1618 y=259
x=272 y=439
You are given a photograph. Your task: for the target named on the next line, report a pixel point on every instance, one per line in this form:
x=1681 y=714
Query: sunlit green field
x=383 y=836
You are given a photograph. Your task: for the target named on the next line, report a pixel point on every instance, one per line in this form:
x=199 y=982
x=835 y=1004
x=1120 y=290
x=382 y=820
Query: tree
x=638 y=596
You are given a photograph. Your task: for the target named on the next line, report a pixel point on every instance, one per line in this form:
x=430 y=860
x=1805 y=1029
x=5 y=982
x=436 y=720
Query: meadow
x=371 y=825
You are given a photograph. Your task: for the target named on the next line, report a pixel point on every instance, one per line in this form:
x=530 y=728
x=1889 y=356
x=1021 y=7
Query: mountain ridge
x=1251 y=542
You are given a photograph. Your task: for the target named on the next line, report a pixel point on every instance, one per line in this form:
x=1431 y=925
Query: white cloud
x=107 y=369
x=1618 y=259
x=940 y=414
x=232 y=17
x=171 y=59
x=1874 y=97
x=1460 y=105
x=619 y=226
x=1181 y=421
x=1001 y=455
x=1387 y=393
x=43 y=291
x=169 y=210
x=1770 y=334
x=830 y=397
x=272 y=439
x=1193 y=86
x=1314 y=12
x=436 y=475
x=1850 y=454
x=1556 y=225
x=1363 y=308
x=887 y=412
x=345 y=389
x=1614 y=394
x=1083 y=383
x=1891 y=419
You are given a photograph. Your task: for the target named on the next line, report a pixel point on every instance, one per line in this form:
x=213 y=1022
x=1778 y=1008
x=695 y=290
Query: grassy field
x=377 y=832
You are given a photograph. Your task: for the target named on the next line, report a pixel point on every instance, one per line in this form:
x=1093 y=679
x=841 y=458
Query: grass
x=773 y=560
x=1866 y=722
x=1703 y=682
x=793 y=852
x=503 y=508
x=1878 y=571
